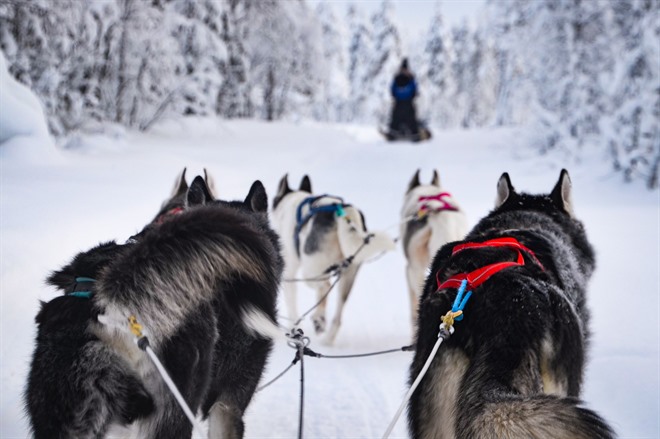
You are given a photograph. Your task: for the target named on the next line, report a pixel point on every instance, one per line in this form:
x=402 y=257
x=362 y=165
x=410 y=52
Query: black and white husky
x=318 y=232
x=514 y=366
x=203 y=283
x=431 y=217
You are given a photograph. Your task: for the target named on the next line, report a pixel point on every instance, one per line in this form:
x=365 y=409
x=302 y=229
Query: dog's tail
x=355 y=240
x=542 y=416
x=259 y=323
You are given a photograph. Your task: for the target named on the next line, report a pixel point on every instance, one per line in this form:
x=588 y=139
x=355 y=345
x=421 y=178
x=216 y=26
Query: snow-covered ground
x=54 y=203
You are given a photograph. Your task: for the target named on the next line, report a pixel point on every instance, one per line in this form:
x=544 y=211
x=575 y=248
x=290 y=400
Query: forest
x=582 y=77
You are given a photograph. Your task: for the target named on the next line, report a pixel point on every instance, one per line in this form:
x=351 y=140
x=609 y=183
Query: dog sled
x=404 y=134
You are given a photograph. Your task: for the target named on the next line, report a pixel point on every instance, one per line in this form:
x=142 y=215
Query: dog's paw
x=319 y=324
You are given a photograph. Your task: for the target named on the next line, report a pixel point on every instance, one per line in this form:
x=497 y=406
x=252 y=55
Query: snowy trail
x=54 y=204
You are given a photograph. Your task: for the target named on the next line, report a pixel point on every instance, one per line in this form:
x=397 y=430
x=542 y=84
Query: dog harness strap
x=481 y=275
x=337 y=208
x=444 y=204
x=173 y=211
x=82 y=288
x=497 y=242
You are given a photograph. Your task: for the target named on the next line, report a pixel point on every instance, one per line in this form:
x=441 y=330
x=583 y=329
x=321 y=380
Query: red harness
x=481 y=275
x=444 y=204
x=173 y=211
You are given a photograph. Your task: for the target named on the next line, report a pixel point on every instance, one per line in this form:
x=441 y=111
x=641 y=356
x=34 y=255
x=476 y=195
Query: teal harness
x=82 y=288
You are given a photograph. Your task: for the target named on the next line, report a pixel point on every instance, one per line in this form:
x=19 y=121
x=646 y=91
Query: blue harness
x=301 y=220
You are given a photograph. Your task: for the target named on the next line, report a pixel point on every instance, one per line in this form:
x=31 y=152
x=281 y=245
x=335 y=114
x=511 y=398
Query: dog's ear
x=180 y=185
x=198 y=193
x=504 y=189
x=283 y=186
x=282 y=189
x=414 y=182
x=561 y=194
x=210 y=183
x=305 y=184
x=256 y=199
x=435 y=181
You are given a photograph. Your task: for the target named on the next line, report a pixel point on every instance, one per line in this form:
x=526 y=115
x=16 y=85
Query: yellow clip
x=136 y=328
x=448 y=319
x=421 y=214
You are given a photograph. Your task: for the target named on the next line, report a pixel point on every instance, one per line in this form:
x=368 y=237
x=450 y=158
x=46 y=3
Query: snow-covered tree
x=360 y=48
x=436 y=77
x=384 y=61
x=333 y=94
x=634 y=139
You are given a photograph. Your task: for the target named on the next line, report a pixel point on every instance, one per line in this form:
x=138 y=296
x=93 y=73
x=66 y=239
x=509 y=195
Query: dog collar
x=82 y=288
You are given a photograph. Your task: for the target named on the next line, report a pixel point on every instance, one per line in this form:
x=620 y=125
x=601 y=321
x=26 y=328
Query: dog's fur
x=203 y=284
x=423 y=236
x=324 y=241
x=514 y=366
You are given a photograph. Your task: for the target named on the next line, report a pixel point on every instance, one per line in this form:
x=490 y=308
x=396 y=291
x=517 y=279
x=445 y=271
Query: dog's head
x=417 y=191
x=414 y=182
x=283 y=189
x=535 y=210
x=199 y=194
x=559 y=200
x=176 y=203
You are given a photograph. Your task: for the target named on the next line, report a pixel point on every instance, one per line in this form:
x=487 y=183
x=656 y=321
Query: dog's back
x=513 y=368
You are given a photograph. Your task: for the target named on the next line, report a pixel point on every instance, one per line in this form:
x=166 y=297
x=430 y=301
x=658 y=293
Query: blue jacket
x=403 y=88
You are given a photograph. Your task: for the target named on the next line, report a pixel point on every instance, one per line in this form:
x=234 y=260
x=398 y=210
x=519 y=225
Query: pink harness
x=440 y=198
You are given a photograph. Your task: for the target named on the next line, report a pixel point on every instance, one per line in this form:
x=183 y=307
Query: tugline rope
x=143 y=343
x=445 y=330
x=443 y=334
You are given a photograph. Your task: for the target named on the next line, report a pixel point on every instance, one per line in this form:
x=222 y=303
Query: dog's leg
x=415 y=273
x=225 y=422
x=322 y=288
x=418 y=259
x=345 y=285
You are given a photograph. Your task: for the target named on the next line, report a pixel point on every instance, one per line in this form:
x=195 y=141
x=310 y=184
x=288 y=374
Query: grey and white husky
x=514 y=366
x=318 y=232
x=202 y=282
x=431 y=217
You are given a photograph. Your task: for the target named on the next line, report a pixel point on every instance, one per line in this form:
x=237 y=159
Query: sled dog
x=431 y=218
x=318 y=232
x=513 y=368
x=202 y=283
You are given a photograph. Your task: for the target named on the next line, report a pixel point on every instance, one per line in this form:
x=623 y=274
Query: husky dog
x=431 y=218
x=203 y=283
x=513 y=368
x=318 y=232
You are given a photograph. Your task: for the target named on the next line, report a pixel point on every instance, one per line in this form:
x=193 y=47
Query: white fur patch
x=259 y=323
